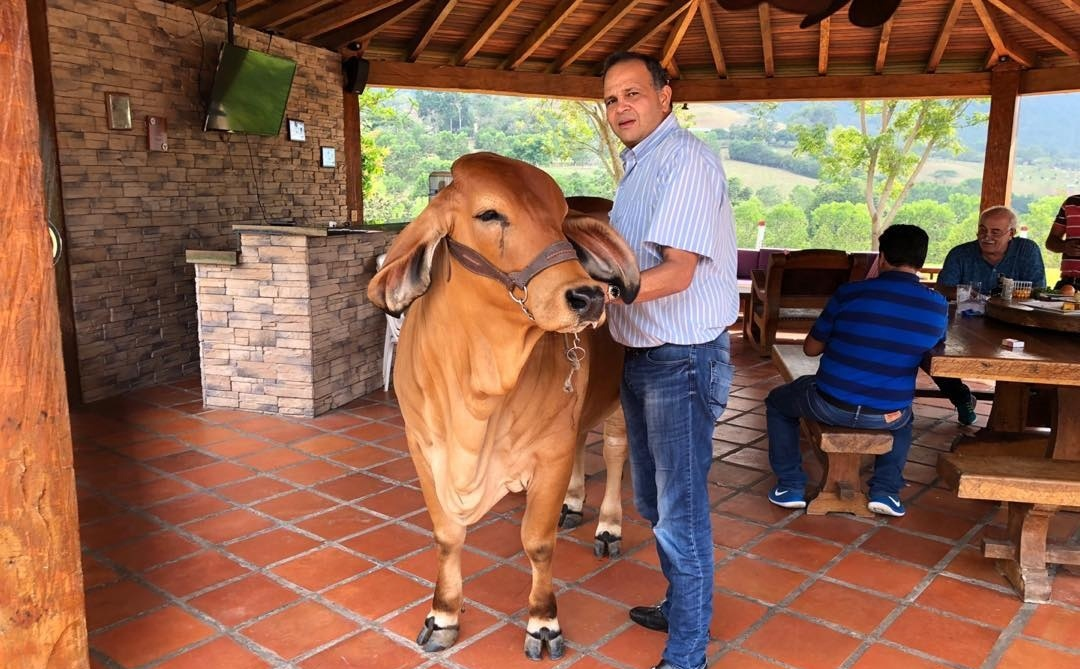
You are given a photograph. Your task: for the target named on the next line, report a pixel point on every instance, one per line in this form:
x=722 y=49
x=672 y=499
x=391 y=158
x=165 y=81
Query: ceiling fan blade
x=871 y=13
x=805 y=7
x=814 y=19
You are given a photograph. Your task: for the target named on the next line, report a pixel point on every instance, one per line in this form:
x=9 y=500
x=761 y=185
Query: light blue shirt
x=965 y=264
x=674 y=193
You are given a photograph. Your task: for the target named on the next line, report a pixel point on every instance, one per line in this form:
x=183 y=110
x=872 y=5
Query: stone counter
x=285 y=326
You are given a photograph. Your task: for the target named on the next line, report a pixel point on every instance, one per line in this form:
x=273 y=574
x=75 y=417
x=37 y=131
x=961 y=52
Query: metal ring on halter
x=521 y=301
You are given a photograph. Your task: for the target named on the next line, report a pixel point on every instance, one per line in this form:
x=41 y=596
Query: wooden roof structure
x=555 y=48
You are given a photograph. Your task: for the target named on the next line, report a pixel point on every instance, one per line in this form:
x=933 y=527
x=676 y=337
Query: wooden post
x=354 y=167
x=42 y=617
x=1001 y=135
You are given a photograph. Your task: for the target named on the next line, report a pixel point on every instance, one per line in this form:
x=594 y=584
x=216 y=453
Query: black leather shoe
x=649 y=617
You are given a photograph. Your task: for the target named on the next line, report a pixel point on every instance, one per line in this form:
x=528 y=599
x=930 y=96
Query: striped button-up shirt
x=674 y=193
x=1067 y=225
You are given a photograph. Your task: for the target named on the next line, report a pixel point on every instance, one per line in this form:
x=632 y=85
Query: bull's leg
x=574 y=501
x=538 y=530
x=609 y=529
x=440 y=629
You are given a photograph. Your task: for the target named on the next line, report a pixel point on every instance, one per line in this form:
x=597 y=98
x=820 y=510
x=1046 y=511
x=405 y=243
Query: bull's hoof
x=535 y=641
x=607 y=544
x=569 y=519
x=433 y=638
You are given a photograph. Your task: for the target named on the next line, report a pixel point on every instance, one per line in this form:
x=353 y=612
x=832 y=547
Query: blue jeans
x=786 y=404
x=672 y=396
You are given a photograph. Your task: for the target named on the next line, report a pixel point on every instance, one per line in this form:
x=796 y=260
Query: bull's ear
x=406 y=272
x=604 y=254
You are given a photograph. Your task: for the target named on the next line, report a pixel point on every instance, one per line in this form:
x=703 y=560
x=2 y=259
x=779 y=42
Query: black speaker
x=356 y=73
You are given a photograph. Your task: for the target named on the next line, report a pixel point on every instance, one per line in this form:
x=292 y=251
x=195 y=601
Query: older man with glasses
x=996 y=252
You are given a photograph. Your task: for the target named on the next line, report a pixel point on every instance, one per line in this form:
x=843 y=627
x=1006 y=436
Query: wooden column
x=1001 y=135
x=42 y=617
x=354 y=167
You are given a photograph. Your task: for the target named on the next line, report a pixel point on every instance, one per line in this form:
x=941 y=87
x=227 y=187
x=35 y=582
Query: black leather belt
x=634 y=351
x=848 y=406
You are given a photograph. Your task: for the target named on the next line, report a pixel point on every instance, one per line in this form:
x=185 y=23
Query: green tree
x=786 y=227
x=888 y=150
x=769 y=195
x=936 y=219
x=747 y=214
x=840 y=225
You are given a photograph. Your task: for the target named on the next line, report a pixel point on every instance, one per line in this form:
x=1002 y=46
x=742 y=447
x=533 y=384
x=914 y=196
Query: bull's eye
x=490 y=215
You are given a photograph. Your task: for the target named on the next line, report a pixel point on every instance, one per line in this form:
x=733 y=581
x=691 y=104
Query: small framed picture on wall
x=118 y=110
x=296 y=130
x=328 y=156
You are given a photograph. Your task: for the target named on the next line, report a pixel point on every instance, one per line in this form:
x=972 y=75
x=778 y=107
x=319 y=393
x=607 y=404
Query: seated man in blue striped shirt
x=872 y=336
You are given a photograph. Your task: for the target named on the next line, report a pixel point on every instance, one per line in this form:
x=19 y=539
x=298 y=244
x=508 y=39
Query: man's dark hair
x=659 y=75
x=904 y=245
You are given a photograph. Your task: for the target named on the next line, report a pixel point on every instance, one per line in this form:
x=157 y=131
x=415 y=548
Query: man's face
x=994 y=234
x=634 y=107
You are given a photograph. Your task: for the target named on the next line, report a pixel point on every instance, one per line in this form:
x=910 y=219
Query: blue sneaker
x=965 y=413
x=887 y=505
x=789 y=499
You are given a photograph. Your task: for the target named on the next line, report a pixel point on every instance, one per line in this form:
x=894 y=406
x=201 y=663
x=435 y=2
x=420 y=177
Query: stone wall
x=130 y=213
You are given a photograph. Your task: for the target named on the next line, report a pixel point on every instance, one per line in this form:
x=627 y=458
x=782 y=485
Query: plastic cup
x=963 y=292
x=1007 y=287
x=1021 y=290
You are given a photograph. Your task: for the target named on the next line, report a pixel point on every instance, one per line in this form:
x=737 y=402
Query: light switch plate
x=329 y=156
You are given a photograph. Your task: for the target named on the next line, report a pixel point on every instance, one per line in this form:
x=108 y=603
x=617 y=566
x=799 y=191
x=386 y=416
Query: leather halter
x=559 y=252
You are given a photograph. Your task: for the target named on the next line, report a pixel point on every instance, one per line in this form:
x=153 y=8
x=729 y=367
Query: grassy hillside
x=757 y=176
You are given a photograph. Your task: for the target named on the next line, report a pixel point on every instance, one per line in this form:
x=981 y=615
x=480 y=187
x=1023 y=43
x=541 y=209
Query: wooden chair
x=793 y=290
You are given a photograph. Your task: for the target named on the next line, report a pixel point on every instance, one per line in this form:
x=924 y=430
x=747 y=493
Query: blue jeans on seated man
x=672 y=396
x=786 y=404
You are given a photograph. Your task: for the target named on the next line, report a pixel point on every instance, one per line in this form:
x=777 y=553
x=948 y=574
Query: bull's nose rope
x=575 y=354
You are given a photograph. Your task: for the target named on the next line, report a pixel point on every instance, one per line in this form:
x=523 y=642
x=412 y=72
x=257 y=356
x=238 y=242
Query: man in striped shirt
x=871 y=336
x=673 y=209
x=1064 y=238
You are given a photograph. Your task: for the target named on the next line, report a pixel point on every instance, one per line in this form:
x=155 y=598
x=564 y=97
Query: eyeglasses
x=993 y=234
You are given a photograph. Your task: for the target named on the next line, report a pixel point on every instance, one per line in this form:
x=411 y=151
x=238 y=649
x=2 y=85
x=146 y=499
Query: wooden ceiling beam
x=1050 y=80
x=1003 y=44
x=713 y=38
x=1041 y=26
x=435 y=19
x=824 y=28
x=477 y=80
x=590 y=36
x=1073 y=5
x=766 y=39
x=540 y=34
x=484 y=31
x=883 y=46
x=207 y=7
x=943 y=35
x=655 y=24
x=363 y=31
x=277 y=13
x=675 y=37
x=336 y=17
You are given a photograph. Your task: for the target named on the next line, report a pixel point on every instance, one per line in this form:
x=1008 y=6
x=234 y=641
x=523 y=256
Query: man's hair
x=659 y=75
x=999 y=210
x=904 y=245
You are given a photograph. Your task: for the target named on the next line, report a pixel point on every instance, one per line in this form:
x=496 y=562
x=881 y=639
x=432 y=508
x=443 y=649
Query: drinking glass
x=1007 y=287
x=963 y=292
x=1021 y=290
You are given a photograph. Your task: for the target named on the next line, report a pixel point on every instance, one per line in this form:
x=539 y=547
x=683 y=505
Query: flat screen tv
x=250 y=91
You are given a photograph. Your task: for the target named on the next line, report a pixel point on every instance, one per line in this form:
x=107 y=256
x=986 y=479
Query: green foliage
x=747 y=214
x=936 y=219
x=786 y=227
x=737 y=191
x=769 y=195
x=802 y=197
x=840 y=225
x=758 y=153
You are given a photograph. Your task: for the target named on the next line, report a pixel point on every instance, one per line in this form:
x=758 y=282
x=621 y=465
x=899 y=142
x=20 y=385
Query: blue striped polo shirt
x=674 y=193
x=876 y=333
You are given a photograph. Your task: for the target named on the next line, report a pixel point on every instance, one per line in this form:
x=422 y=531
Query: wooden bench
x=1035 y=489
x=839 y=449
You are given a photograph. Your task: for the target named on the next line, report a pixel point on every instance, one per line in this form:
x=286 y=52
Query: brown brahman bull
x=501 y=368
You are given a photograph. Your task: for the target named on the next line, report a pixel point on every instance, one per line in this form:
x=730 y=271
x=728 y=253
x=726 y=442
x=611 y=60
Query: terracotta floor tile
x=628 y=582
x=857 y=611
x=1056 y=625
x=834 y=527
x=389 y=543
x=253 y=490
x=1066 y=586
x=352 y=487
x=791 y=549
x=337 y=420
x=243 y=600
x=150 y=637
x=900 y=545
x=935 y=523
x=424 y=564
x=195 y=572
x=572 y=561
x=151 y=550
x=397 y=501
x=186 y=509
x=115 y=530
x=585 y=619
x=152 y=448
x=885 y=657
x=737 y=660
x=504 y=589
x=757 y=579
x=734 y=532
x=117 y=601
x=93 y=508
x=635 y=647
x=365 y=456
x=502 y=650
x=1025 y=654
x=970 y=563
x=499 y=537
x=952 y=640
x=237 y=447
x=214 y=475
x=367 y=649
x=339 y=522
x=877 y=573
x=324 y=444
x=229 y=525
x=800 y=643
x=733 y=615
x=378 y=593
x=288 y=433
x=149 y=493
x=755 y=508
x=96 y=573
x=272 y=546
x=321 y=568
x=472 y=621
x=373 y=431
x=220 y=653
x=299 y=629
x=946 y=501
x=178 y=462
x=274 y=457
x=308 y=473
x=294 y=505
x=401 y=469
x=971 y=601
